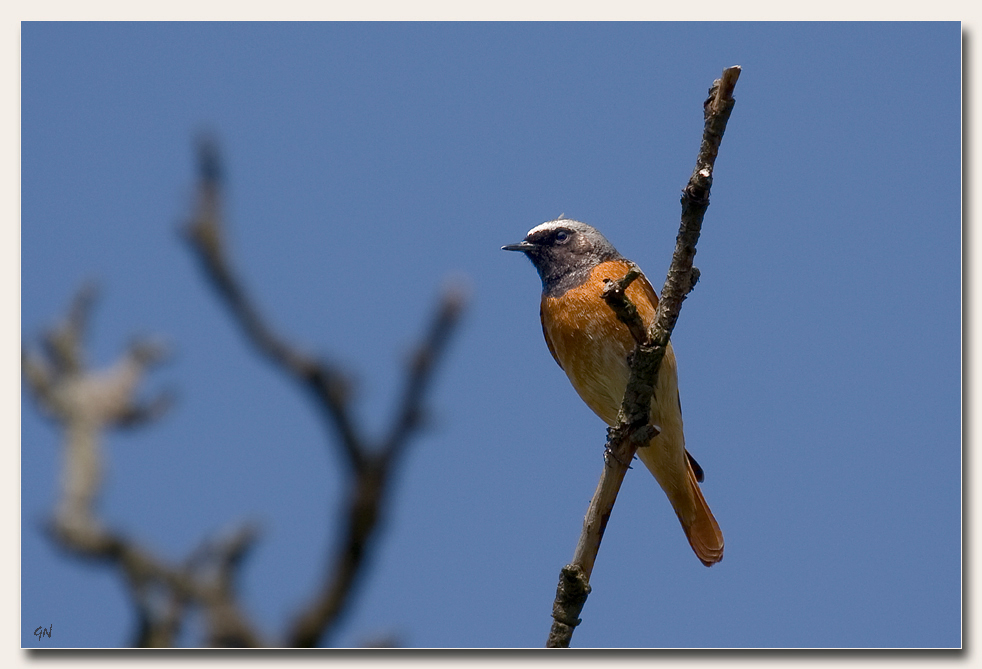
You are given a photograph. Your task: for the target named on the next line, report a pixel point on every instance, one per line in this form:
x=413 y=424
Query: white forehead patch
x=549 y=225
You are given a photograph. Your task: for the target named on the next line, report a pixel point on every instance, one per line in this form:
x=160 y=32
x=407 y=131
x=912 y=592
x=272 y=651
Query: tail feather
x=703 y=531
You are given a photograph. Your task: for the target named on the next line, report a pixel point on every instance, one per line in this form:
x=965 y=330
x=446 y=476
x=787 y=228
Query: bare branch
x=63 y=342
x=420 y=372
x=571 y=594
x=368 y=491
x=633 y=430
x=370 y=464
x=86 y=403
x=329 y=385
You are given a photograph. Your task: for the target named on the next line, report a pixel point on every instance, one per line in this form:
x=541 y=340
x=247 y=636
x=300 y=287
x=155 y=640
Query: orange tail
x=703 y=532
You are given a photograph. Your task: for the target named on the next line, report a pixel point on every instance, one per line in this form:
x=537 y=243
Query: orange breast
x=592 y=347
x=588 y=341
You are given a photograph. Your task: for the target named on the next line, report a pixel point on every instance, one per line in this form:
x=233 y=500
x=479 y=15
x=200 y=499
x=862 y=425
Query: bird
x=592 y=347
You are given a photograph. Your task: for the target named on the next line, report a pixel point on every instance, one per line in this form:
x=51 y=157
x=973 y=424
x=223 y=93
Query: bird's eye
x=562 y=236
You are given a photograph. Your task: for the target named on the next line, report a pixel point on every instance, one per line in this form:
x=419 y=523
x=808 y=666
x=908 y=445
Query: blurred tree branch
x=85 y=403
x=370 y=464
x=633 y=429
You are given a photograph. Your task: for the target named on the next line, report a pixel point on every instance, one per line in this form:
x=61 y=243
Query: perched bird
x=592 y=346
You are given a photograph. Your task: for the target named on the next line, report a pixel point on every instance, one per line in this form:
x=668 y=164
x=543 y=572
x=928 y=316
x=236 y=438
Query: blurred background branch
x=86 y=403
x=370 y=465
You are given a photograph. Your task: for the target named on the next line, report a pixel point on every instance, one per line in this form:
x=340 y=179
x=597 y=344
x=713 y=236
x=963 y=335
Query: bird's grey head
x=564 y=253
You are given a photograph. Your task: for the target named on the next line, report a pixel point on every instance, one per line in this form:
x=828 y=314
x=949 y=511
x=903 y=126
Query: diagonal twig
x=633 y=430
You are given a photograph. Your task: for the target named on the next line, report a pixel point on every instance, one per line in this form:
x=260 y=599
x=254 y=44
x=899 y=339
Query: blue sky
x=819 y=355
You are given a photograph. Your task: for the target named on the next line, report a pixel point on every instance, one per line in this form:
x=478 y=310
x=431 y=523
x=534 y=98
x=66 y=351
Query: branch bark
x=632 y=429
x=370 y=464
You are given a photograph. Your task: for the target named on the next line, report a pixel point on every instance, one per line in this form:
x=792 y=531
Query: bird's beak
x=523 y=246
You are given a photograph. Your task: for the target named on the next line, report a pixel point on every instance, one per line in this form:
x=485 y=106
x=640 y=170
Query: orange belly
x=592 y=347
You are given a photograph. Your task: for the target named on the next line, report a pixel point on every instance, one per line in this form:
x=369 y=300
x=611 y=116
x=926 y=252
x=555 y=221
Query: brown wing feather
x=649 y=292
x=545 y=333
